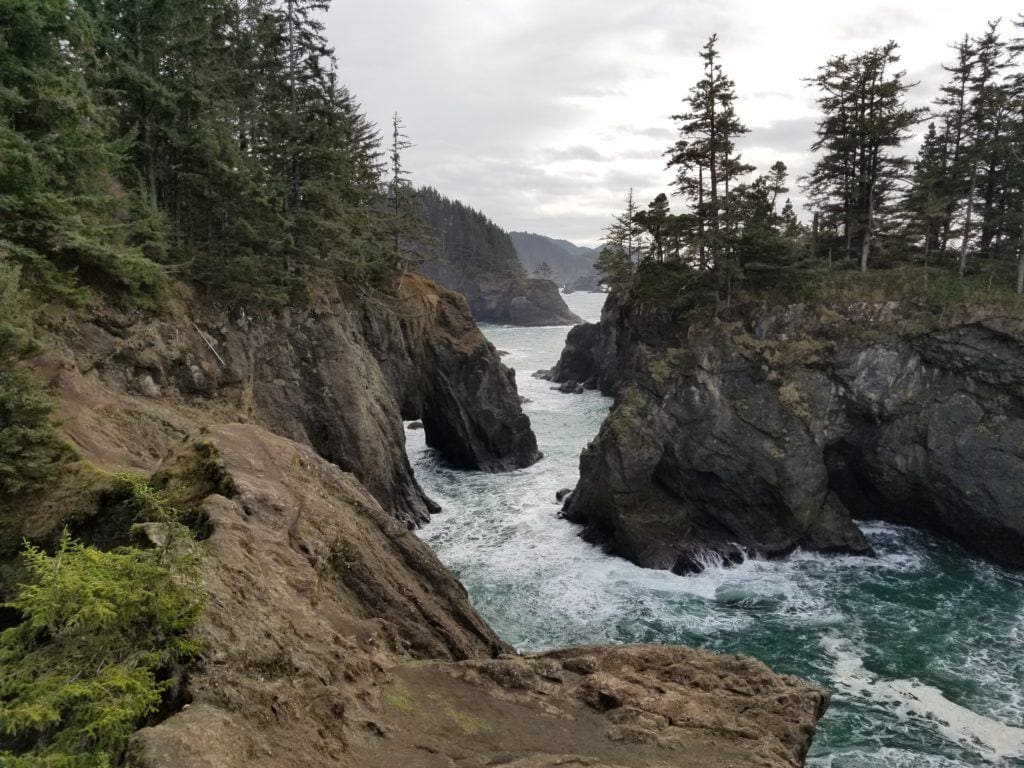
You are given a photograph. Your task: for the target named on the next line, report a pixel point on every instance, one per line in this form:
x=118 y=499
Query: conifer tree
x=705 y=158
x=865 y=120
x=60 y=207
x=928 y=200
x=655 y=221
x=953 y=111
x=984 y=148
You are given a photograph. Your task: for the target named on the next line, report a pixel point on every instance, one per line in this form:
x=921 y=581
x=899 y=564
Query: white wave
x=884 y=757
x=990 y=738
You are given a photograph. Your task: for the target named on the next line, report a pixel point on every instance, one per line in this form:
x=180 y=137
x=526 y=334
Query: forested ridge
x=950 y=220
x=211 y=140
x=466 y=239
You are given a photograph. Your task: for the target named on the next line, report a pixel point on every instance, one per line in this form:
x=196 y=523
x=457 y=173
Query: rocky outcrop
x=590 y=356
x=775 y=430
x=587 y=283
x=332 y=636
x=506 y=300
x=339 y=376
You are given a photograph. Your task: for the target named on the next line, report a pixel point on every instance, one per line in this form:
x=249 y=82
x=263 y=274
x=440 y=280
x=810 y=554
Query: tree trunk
x=814 y=235
x=866 y=243
x=962 y=266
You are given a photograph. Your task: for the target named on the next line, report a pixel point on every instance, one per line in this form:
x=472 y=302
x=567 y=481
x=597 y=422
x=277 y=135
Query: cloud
x=578 y=152
x=543 y=114
x=789 y=135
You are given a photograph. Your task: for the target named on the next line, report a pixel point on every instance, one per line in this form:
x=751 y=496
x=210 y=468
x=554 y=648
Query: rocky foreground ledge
x=333 y=636
x=775 y=427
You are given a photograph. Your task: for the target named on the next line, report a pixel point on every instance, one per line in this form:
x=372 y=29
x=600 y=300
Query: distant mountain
x=570 y=264
x=475 y=257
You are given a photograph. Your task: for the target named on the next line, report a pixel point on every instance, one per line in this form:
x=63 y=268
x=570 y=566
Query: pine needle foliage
x=31 y=451
x=88 y=662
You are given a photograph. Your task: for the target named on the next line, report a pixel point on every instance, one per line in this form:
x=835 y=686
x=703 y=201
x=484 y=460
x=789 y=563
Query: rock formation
x=774 y=428
x=506 y=300
x=334 y=637
x=339 y=376
x=331 y=634
x=590 y=356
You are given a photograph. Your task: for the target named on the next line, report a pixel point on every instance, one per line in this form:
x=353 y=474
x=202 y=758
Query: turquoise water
x=923 y=647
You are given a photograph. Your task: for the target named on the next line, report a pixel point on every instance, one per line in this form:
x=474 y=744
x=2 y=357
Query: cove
x=922 y=646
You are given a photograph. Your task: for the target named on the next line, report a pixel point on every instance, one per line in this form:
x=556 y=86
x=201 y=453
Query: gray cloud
x=542 y=114
x=578 y=152
x=790 y=135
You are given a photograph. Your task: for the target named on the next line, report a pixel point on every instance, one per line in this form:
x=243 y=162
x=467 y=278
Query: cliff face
x=775 y=431
x=590 y=357
x=506 y=300
x=333 y=636
x=339 y=376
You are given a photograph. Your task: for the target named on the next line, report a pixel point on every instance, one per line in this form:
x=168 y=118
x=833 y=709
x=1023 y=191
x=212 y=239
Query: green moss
x=794 y=401
x=626 y=417
x=197 y=473
x=663 y=366
x=396 y=697
x=467 y=722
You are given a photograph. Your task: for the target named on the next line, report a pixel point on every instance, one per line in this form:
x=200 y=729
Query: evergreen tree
x=655 y=221
x=61 y=209
x=864 y=122
x=623 y=248
x=31 y=451
x=705 y=158
x=466 y=240
x=928 y=200
x=953 y=111
x=984 y=150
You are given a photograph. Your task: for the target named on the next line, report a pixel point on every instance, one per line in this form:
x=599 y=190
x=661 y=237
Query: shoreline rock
x=776 y=430
x=333 y=635
x=506 y=300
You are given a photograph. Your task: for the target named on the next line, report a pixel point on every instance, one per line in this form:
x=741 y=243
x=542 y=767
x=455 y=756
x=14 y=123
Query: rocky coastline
x=331 y=633
x=776 y=427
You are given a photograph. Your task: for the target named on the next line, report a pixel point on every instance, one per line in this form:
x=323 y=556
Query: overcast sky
x=543 y=113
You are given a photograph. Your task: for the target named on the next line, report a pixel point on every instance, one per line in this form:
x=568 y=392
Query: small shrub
x=89 y=660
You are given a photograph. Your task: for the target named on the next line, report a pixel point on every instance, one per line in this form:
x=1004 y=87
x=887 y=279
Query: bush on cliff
x=91 y=659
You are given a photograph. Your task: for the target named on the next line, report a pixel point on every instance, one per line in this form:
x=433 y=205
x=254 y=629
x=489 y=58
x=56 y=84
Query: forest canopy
x=207 y=139
x=956 y=207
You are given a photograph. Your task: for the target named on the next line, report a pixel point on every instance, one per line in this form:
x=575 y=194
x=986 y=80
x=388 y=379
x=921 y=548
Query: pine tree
x=655 y=221
x=864 y=122
x=61 y=208
x=31 y=451
x=927 y=200
x=705 y=158
x=623 y=248
x=984 y=148
x=953 y=111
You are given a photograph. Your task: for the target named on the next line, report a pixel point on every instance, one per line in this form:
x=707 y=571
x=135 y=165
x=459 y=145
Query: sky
x=544 y=113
